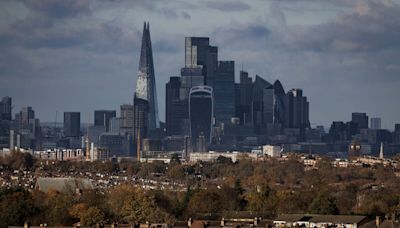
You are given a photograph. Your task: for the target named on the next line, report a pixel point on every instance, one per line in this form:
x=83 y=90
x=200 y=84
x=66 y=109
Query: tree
x=324 y=203
x=77 y=210
x=291 y=201
x=18 y=160
x=176 y=172
x=205 y=201
x=224 y=160
x=130 y=204
x=175 y=159
x=92 y=216
x=57 y=206
x=16 y=207
x=259 y=200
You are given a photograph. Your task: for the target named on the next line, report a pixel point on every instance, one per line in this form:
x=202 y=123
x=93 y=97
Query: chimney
x=255 y=221
x=378 y=221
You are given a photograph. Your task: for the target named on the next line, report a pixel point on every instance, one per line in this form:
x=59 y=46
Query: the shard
x=145 y=98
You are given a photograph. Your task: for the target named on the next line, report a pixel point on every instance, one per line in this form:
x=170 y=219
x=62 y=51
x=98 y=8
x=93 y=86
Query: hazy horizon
x=81 y=56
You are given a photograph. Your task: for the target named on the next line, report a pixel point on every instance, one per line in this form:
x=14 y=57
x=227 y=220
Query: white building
x=213 y=156
x=304 y=220
x=60 y=154
x=272 y=151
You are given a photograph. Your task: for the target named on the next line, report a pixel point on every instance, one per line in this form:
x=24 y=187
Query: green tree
x=205 y=202
x=175 y=159
x=57 y=206
x=19 y=160
x=16 y=207
x=324 y=203
x=130 y=204
x=176 y=172
x=260 y=200
x=92 y=216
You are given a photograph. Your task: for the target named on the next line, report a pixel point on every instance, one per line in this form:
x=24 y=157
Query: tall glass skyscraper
x=224 y=92
x=72 y=124
x=199 y=53
x=102 y=118
x=146 y=89
x=200 y=115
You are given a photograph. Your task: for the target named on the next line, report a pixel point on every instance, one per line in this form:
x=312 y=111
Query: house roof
x=63 y=184
x=345 y=219
x=290 y=217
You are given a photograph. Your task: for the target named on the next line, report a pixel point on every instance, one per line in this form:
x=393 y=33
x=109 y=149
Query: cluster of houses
x=284 y=220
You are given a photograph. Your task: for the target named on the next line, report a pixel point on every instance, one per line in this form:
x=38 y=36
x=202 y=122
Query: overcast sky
x=78 y=55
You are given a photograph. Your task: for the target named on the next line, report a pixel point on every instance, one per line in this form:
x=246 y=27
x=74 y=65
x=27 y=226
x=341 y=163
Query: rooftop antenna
x=138 y=151
x=87 y=139
x=55 y=122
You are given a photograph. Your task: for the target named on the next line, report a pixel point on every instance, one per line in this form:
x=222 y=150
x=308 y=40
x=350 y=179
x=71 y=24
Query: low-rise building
x=272 y=151
x=305 y=220
x=213 y=156
x=63 y=184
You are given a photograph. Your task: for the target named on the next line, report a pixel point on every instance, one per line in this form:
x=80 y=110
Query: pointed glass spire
x=145 y=84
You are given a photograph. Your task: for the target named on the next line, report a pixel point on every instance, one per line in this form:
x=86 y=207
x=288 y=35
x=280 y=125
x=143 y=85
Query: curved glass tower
x=201 y=116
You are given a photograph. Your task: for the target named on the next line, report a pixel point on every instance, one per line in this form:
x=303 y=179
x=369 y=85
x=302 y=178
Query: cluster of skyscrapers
x=205 y=110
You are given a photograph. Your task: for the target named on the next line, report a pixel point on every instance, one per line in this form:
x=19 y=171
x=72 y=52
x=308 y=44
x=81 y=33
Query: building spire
x=146 y=85
x=381 y=151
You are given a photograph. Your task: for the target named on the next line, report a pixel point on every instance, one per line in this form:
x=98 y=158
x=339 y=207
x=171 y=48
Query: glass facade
x=224 y=92
x=72 y=124
x=200 y=114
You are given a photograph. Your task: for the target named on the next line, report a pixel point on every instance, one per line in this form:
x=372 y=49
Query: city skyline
x=56 y=65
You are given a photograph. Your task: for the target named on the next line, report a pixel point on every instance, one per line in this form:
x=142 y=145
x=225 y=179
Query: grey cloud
x=372 y=26
x=168 y=9
x=166 y=46
x=241 y=35
x=59 y=9
x=185 y=15
x=108 y=36
x=227 y=5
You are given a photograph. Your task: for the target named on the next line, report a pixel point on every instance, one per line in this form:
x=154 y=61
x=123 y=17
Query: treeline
x=214 y=190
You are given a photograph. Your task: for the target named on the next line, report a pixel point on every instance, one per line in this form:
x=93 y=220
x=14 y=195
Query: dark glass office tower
x=140 y=116
x=297 y=110
x=361 y=119
x=268 y=104
x=127 y=119
x=146 y=84
x=224 y=92
x=198 y=52
x=102 y=118
x=5 y=122
x=200 y=115
x=279 y=103
x=191 y=76
x=244 y=98
x=72 y=124
x=176 y=109
x=259 y=120
x=25 y=115
x=5 y=108
x=396 y=134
